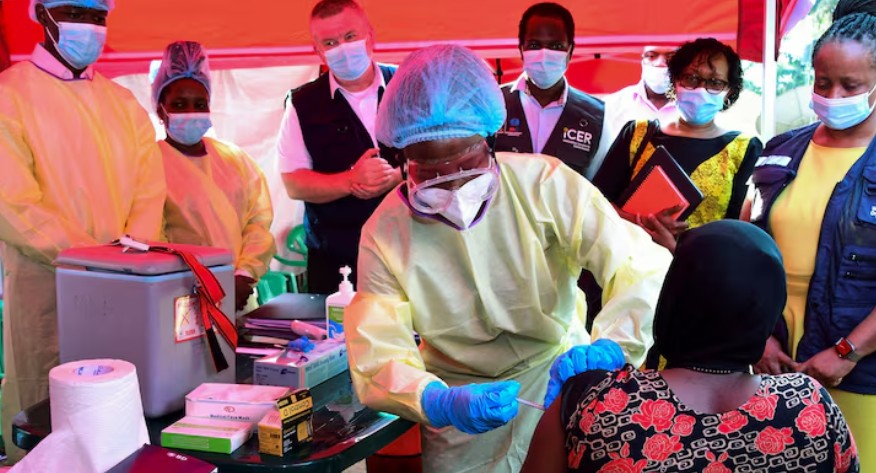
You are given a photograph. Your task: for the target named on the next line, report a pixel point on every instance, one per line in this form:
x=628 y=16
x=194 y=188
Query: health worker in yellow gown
x=80 y=167
x=216 y=194
x=479 y=253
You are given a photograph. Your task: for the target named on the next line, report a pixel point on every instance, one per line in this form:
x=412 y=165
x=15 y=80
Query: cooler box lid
x=112 y=258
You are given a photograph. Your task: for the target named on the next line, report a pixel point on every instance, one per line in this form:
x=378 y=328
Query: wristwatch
x=846 y=349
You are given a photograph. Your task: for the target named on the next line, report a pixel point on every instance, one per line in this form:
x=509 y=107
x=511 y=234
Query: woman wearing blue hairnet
x=216 y=193
x=479 y=253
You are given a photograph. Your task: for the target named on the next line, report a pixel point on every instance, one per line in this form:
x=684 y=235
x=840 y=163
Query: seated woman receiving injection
x=705 y=411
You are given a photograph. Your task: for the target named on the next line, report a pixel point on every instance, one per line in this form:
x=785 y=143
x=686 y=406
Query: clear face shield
x=456 y=187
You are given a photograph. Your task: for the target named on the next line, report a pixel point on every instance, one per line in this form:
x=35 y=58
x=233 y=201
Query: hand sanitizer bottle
x=337 y=302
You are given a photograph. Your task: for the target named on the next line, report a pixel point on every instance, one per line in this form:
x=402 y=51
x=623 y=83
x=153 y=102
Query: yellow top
x=795 y=219
x=795 y=222
x=714 y=176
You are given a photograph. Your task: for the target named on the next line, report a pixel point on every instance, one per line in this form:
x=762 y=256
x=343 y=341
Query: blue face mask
x=80 y=44
x=545 y=67
x=842 y=113
x=348 y=61
x=698 y=106
x=188 y=128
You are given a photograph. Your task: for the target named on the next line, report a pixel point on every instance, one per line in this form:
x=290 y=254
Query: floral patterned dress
x=629 y=421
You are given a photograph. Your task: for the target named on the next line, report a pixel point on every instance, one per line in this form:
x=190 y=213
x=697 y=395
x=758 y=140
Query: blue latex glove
x=603 y=354
x=301 y=345
x=473 y=408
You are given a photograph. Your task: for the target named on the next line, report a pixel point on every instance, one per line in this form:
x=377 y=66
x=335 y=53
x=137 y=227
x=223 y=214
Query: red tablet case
x=661 y=183
x=154 y=459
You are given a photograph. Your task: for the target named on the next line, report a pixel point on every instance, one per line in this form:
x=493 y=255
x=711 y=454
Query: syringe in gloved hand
x=530 y=404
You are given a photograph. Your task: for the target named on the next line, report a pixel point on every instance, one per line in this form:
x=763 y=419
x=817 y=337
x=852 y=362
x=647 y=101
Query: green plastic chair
x=296 y=242
x=272 y=284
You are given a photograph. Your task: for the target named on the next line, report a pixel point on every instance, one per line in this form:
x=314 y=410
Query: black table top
x=292 y=305
x=344 y=433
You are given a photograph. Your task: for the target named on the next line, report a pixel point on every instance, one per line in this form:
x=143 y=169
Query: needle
x=530 y=404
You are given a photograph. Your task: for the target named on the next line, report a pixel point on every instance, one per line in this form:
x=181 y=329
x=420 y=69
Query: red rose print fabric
x=732 y=421
x=716 y=465
x=616 y=401
x=812 y=419
x=772 y=441
x=657 y=414
x=631 y=422
x=683 y=425
x=762 y=407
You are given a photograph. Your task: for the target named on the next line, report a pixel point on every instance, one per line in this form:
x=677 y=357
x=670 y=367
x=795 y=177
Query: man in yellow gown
x=80 y=167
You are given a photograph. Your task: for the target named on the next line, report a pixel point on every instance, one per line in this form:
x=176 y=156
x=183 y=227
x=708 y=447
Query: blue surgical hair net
x=440 y=92
x=106 y=5
x=182 y=60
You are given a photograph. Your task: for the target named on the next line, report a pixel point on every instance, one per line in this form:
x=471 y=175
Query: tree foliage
x=794 y=67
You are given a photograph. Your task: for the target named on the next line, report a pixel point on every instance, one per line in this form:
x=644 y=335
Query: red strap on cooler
x=210 y=294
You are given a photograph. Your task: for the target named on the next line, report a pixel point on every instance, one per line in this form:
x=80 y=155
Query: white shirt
x=541 y=122
x=44 y=60
x=631 y=103
x=290 y=143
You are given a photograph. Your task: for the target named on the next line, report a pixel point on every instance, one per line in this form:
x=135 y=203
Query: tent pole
x=768 y=97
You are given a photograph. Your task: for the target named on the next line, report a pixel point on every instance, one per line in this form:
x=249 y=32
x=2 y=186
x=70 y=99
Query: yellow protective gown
x=497 y=301
x=220 y=200
x=78 y=166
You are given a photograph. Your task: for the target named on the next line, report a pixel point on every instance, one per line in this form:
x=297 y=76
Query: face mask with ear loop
x=698 y=106
x=80 y=44
x=188 y=128
x=656 y=78
x=348 y=61
x=545 y=67
x=843 y=113
x=459 y=206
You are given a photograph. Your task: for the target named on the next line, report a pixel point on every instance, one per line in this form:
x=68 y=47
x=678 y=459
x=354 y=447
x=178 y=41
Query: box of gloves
x=296 y=369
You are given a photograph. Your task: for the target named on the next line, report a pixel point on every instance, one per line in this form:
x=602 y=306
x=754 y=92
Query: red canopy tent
x=609 y=33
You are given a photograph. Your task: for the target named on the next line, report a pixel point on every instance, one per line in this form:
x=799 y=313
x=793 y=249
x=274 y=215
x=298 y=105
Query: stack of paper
x=269 y=332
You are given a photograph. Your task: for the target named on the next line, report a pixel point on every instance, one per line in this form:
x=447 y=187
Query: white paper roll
x=97 y=417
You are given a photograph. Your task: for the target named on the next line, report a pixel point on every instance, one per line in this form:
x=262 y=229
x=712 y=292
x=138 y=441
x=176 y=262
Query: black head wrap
x=722 y=297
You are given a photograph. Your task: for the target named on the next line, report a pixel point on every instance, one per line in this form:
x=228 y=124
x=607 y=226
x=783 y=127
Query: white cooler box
x=140 y=307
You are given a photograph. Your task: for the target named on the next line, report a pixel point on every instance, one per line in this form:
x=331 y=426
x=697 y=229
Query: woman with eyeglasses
x=815 y=193
x=706 y=78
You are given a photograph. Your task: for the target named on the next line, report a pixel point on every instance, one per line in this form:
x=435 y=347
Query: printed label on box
x=187 y=319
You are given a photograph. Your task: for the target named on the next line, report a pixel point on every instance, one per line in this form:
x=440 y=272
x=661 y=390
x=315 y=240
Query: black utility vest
x=335 y=139
x=575 y=138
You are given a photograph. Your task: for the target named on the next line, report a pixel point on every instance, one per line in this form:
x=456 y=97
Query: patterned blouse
x=720 y=167
x=629 y=421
